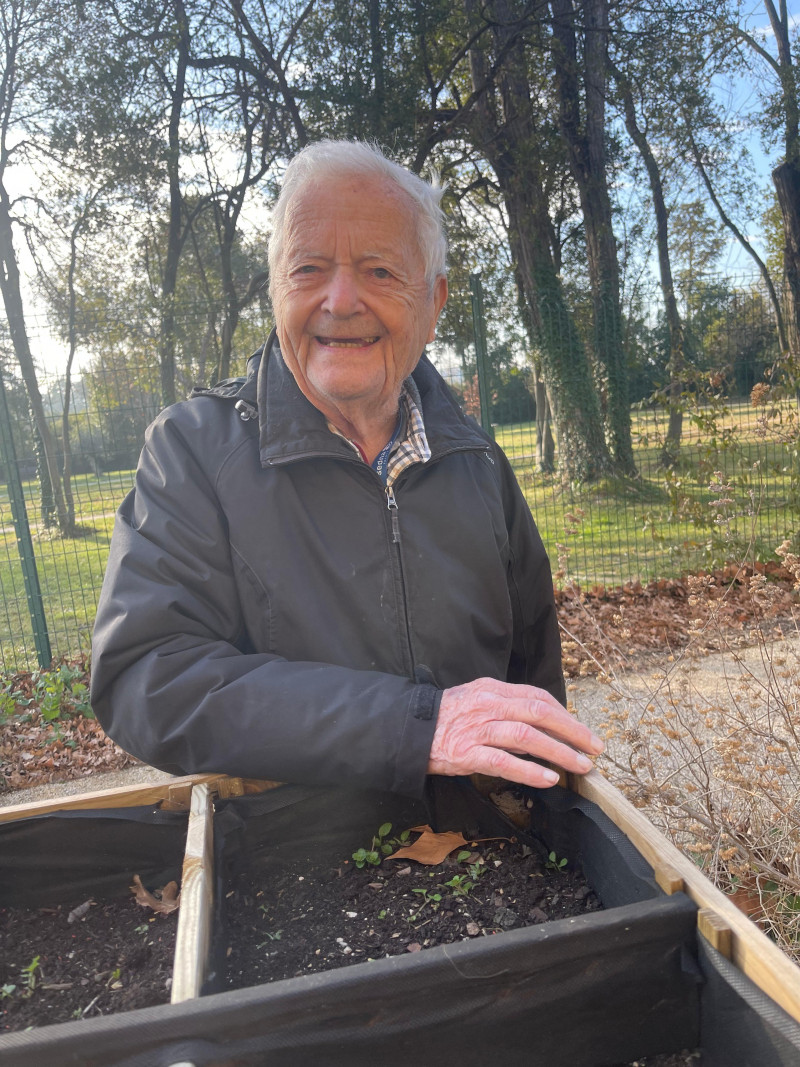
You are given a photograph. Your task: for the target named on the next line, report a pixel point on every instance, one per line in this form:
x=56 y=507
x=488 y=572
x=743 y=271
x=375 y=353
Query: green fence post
x=479 y=331
x=19 y=514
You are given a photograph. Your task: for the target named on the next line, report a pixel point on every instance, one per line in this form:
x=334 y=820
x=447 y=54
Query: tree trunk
x=12 y=299
x=511 y=147
x=786 y=178
x=545 y=445
x=585 y=143
x=675 y=336
x=175 y=232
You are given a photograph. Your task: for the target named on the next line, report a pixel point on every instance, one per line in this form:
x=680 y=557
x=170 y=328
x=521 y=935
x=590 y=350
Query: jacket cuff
x=411 y=766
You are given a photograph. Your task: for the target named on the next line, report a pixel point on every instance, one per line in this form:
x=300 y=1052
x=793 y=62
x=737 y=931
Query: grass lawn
x=664 y=522
x=70 y=571
x=658 y=525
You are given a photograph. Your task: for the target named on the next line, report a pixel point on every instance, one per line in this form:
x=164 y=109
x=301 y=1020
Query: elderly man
x=326 y=574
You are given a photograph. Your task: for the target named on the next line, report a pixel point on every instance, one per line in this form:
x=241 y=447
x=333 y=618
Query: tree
x=784 y=118
x=27 y=48
x=579 y=54
x=505 y=127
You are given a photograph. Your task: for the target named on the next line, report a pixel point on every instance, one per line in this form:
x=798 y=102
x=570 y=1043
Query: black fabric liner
x=68 y=856
x=741 y=1026
x=597 y=990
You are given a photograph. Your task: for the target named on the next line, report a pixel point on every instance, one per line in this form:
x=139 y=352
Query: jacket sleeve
x=536 y=650
x=175 y=683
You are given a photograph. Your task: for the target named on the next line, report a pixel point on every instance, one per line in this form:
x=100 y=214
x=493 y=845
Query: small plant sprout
x=7 y=990
x=29 y=973
x=379 y=847
x=554 y=863
x=431 y=900
x=460 y=885
x=475 y=869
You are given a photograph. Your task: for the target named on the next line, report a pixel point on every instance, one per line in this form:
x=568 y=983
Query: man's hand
x=482 y=724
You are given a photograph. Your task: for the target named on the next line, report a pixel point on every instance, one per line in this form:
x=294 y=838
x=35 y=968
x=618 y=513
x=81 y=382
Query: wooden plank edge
x=750 y=949
x=135 y=795
x=197 y=896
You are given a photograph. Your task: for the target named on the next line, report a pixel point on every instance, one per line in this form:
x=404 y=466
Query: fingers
x=518 y=737
x=539 y=709
x=496 y=763
x=484 y=727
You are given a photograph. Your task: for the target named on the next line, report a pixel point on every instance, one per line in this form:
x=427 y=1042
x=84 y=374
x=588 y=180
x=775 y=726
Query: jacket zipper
x=391 y=504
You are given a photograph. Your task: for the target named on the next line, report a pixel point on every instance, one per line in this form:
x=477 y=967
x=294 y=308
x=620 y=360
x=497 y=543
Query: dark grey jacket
x=265 y=612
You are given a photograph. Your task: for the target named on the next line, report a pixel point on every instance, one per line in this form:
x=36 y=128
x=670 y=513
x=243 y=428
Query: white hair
x=326 y=159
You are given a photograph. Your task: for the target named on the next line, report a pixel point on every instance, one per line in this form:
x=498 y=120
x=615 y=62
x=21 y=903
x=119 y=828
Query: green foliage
x=379 y=847
x=61 y=693
x=553 y=863
x=429 y=900
x=12 y=699
x=29 y=976
x=460 y=885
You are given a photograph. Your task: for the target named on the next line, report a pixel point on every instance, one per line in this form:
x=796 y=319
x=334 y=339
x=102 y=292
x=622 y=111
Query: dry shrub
x=710 y=750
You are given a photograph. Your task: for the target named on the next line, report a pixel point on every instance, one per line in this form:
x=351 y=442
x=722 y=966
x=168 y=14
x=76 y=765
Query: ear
x=439 y=300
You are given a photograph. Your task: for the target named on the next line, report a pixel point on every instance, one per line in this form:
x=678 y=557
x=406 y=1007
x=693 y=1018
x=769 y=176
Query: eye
x=307 y=268
x=381 y=273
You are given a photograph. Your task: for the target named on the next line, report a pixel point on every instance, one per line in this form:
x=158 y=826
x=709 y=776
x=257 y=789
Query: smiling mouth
x=347 y=342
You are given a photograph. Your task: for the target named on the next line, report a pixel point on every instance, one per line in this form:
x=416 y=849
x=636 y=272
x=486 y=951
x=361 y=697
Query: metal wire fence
x=732 y=491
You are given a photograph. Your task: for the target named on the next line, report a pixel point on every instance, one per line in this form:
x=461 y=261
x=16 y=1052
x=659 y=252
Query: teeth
x=343 y=342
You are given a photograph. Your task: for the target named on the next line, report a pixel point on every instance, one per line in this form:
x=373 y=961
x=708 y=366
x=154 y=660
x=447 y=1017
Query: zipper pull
x=391 y=504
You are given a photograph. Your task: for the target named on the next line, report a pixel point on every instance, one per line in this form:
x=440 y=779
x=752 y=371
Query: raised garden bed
x=630 y=983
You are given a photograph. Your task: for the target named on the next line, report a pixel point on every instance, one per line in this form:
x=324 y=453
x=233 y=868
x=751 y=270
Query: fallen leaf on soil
x=429 y=848
x=170 y=897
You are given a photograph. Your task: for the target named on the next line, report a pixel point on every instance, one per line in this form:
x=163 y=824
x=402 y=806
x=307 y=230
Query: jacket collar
x=290 y=427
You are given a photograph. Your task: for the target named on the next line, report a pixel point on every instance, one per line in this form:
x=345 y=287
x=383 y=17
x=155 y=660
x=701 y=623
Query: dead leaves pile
x=603 y=628
x=30 y=754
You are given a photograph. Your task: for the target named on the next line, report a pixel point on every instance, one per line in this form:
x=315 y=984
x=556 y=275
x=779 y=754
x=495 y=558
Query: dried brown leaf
x=170 y=897
x=430 y=848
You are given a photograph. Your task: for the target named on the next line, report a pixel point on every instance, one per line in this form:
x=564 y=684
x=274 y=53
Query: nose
x=343 y=294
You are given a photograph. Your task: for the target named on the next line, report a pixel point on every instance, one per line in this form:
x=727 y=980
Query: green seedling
x=431 y=900
x=7 y=990
x=29 y=973
x=460 y=885
x=475 y=869
x=379 y=848
x=554 y=863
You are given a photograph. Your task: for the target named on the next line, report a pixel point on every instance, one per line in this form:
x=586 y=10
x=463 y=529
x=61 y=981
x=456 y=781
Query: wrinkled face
x=352 y=307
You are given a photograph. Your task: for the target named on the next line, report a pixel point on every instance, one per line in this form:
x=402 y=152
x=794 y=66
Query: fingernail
x=584 y=763
x=597 y=745
x=550 y=777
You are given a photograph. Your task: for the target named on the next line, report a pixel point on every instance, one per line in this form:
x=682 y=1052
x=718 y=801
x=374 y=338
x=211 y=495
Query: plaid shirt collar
x=411 y=445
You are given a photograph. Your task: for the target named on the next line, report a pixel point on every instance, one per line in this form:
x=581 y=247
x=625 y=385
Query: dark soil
x=117 y=957
x=299 y=921
x=303 y=920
